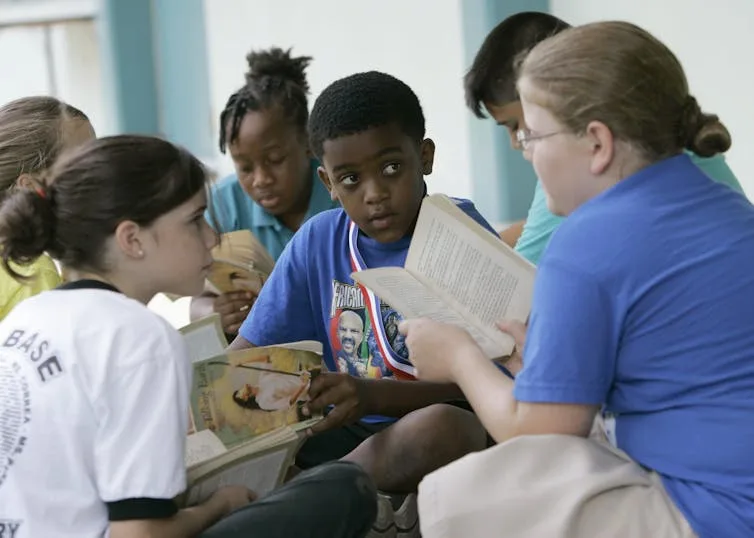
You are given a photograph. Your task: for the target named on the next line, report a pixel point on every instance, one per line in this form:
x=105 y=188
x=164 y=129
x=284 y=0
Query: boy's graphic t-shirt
x=311 y=296
x=352 y=335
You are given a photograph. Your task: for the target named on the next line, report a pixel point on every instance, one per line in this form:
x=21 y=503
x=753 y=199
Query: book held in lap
x=246 y=421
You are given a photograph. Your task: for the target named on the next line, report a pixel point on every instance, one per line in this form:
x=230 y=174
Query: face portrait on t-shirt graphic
x=352 y=336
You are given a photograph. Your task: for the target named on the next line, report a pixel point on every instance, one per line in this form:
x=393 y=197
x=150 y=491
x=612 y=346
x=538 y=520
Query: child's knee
x=422 y=440
x=346 y=477
x=456 y=429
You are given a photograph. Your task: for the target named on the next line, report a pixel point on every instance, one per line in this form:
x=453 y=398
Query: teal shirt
x=235 y=210
x=540 y=223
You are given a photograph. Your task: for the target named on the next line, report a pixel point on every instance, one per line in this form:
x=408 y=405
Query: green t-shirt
x=540 y=223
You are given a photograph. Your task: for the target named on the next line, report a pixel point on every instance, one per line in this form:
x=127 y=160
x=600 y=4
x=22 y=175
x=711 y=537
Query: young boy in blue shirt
x=275 y=188
x=368 y=131
x=490 y=86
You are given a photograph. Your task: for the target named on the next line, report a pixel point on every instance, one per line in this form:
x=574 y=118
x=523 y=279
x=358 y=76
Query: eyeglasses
x=525 y=137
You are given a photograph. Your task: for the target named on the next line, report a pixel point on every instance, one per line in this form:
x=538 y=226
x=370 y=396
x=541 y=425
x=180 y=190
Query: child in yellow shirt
x=43 y=275
x=34 y=131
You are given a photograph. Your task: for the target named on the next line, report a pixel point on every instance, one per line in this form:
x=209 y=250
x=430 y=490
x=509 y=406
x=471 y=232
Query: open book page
x=204 y=338
x=202 y=446
x=240 y=263
x=259 y=468
x=226 y=276
x=414 y=299
x=477 y=274
x=240 y=395
x=243 y=247
x=260 y=475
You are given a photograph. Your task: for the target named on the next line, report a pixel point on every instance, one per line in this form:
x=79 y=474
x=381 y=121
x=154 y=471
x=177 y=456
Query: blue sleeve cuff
x=246 y=331
x=504 y=370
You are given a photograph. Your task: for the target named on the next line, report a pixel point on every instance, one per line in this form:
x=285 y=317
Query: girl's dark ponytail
x=27 y=227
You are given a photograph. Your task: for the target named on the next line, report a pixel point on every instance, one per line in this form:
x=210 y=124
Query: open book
x=204 y=338
x=240 y=263
x=457 y=272
x=246 y=411
x=246 y=393
x=260 y=464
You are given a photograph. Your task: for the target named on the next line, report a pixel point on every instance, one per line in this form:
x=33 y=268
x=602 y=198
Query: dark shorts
x=334 y=444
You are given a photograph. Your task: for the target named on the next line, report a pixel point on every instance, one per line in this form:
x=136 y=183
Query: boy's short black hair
x=364 y=101
x=491 y=78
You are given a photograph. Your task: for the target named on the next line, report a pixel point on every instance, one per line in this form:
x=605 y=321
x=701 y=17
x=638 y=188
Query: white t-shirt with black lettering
x=93 y=413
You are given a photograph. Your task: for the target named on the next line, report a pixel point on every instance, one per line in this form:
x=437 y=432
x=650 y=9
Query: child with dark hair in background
x=125 y=216
x=275 y=188
x=491 y=86
x=368 y=130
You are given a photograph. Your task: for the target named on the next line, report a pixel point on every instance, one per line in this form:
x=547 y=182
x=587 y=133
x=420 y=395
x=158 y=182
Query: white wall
x=80 y=80
x=713 y=41
x=22 y=54
x=418 y=41
x=75 y=67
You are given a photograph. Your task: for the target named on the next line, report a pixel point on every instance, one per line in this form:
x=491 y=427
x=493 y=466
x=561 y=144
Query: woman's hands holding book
x=347 y=394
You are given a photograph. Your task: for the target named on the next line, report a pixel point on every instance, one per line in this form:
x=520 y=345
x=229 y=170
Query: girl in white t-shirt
x=94 y=387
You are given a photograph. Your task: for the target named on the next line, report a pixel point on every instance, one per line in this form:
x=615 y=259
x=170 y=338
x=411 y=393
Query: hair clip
x=41 y=192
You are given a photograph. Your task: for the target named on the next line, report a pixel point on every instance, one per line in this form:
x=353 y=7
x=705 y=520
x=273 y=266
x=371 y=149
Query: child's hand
x=233 y=308
x=231 y=498
x=517 y=330
x=346 y=393
x=437 y=350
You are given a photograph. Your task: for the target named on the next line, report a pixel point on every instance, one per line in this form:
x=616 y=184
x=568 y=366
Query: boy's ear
x=427 y=155
x=325 y=179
